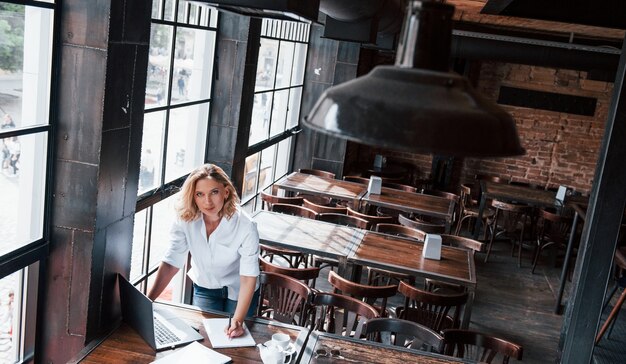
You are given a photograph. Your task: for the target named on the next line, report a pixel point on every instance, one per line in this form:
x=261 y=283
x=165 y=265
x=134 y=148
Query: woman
x=224 y=245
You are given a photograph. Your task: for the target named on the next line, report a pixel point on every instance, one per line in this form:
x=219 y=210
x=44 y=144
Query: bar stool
x=509 y=218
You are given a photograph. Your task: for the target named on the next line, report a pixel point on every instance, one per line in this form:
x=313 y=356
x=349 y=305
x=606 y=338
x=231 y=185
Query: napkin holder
x=432 y=246
x=375 y=185
x=561 y=193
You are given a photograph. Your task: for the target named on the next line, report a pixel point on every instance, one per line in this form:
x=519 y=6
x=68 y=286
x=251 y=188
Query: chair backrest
x=357 y=179
x=393 y=331
x=373 y=220
x=294 y=210
x=401 y=230
x=461 y=242
x=480 y=347
x=293 y=258
x=368 y=294
x=317 y=172
x=341 y=315
x=286 y=298
x=508 y=215
x=320 y=209
x=466 y=197
x=341 y=219
x=400 y=186
x=447 y=195
x=427 y=227
x=431 y=309
x=554 y=227
x=307 y=275
x=269 y=200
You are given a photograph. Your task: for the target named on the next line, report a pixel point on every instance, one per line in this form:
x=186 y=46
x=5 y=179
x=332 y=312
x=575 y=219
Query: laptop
x=160 y=328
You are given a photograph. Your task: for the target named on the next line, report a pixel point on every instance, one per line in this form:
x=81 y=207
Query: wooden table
x=406 y=256
x=321 y=186
x=124 y=345
x=359 y=351
x=418 y=203
x=308 y=236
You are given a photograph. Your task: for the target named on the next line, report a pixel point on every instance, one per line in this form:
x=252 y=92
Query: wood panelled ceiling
x=470 y=13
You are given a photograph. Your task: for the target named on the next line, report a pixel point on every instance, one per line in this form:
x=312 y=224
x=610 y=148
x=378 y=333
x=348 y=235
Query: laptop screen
x=137 y=310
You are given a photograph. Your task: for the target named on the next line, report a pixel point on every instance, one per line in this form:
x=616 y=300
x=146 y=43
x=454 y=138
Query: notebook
x=194 y=353
x=215 y=331
x=160 y=328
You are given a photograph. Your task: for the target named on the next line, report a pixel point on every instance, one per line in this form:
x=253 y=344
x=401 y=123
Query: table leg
x=467 y=311
x=568 y=254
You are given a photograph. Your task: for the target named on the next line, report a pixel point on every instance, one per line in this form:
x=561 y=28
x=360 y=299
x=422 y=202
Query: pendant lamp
x=417 y=105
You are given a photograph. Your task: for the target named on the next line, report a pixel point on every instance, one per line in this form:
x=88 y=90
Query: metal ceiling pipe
x=482 y=46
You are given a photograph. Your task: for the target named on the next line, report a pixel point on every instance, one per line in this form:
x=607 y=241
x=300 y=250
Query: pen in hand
x=230 y=316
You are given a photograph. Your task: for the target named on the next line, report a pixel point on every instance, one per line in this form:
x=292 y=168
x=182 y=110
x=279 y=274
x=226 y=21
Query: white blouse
x=231 y=250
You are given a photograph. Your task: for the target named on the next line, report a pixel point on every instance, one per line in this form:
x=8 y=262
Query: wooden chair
x=373 y=220
x=508 y=220
x=292 y=258
x=401 y=230
x=392 y=331
x=427 y=227
x=306 y=275
x=468 y=210
x=341 y=219
x=283 y=298
x=357 y=179
x=269 y=200
x=480 y=347
x=317 y=172
x=341 y=315
x=321 y=209
x=485 y=177
x=365 y=293
x=553 y=230
x=620 y=262
x=431 y=309
x=294 y=210
x=400 y=186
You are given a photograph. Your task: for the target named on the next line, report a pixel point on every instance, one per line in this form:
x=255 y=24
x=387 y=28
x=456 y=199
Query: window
x=277 y=98
x=178 y=91
x=26 y=54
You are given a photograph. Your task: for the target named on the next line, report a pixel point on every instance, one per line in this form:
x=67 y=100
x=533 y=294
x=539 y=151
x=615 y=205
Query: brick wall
x=560 y=148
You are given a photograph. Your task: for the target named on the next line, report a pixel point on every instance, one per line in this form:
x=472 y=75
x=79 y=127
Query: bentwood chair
x=365 y=293
x=321 y=209
x=283 y=298
x=294 y=210
x=434 y=310
x=372 y=219
x=553 y=230
x=480 y=347
x=320 y=200
x=509 y=220
x=341 y=315
x=357 y=179
x=468 y=210
x=317 y=172
x=269 y=200
x=427 y=227
x=290 y=258
x=306 y=275
x=392 y=331
x=400 y=186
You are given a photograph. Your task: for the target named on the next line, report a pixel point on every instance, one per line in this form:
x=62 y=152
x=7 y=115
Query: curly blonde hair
x=187 y=208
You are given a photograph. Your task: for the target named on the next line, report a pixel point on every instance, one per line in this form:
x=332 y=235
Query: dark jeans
x=217 y=300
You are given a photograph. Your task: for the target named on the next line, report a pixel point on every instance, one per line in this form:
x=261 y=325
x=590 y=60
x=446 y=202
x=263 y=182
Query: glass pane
x=163 y=215
x=151 y=151
x=25 y=60
x=168 y=14
x=173 y=291
x=158 y=65
x=193 y=56
x=22 y=183
x=250 y=176
x=279 y=112
x=261 y=113
x=282 y=158
x=299 y=62
x=293 y=114
x=266 y=66
x=186 y=140
x=10 y=299
x=267 y=166
x=139 y=236
x=156 y=5
x=285 y=60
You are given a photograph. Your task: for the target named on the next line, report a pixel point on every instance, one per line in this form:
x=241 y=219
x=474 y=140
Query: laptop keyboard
x=163 y=334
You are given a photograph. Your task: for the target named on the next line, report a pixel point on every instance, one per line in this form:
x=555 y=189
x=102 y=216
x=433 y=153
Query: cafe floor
x=514 y=304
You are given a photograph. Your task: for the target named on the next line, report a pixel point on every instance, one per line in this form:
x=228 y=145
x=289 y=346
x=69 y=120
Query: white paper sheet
x=194 y=353
x=215 y=331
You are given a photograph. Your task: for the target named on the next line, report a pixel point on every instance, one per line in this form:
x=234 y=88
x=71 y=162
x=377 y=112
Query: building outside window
x=177 y=102
x=276 y=110
x=26 y=61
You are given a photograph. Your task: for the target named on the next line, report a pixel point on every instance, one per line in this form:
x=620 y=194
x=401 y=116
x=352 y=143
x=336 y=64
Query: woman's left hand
x=235 y=329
